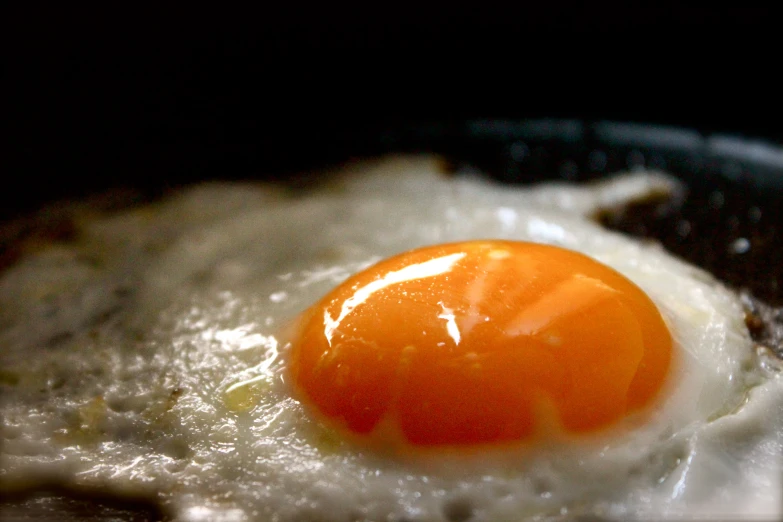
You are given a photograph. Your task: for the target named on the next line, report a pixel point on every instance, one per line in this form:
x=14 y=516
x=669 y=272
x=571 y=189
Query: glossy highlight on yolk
x=470 y=343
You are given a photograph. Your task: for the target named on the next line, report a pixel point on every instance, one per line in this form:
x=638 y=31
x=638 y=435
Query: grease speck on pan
x=151 y=354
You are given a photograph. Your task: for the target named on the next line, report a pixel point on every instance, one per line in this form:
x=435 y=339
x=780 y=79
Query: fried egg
x=387 y=344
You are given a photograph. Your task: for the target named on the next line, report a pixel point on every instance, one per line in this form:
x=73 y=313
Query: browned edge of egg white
x=62 y=502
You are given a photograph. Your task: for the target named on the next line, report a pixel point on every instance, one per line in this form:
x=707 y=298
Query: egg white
x=159 y=369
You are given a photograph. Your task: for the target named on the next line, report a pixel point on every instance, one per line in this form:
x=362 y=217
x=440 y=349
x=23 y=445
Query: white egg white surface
x=145 y=357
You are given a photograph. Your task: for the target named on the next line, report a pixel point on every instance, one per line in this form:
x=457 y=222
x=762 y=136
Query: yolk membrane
x=477 y=343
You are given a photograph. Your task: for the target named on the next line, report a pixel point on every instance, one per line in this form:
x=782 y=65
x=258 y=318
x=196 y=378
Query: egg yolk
x=480 y=342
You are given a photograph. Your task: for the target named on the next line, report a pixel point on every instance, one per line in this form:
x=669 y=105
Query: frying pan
x=735 y=186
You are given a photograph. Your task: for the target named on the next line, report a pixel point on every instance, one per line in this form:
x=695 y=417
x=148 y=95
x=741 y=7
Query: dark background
x=98 y=99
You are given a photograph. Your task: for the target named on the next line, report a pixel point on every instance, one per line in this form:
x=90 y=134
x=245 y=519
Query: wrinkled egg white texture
x=144 y=357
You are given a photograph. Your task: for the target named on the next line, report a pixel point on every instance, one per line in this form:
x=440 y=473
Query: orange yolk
x=480 y=342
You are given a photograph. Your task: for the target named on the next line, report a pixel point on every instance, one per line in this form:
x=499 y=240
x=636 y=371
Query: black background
x=160 y=96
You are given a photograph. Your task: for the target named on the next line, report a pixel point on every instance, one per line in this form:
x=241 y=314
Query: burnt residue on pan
x=735 y=239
